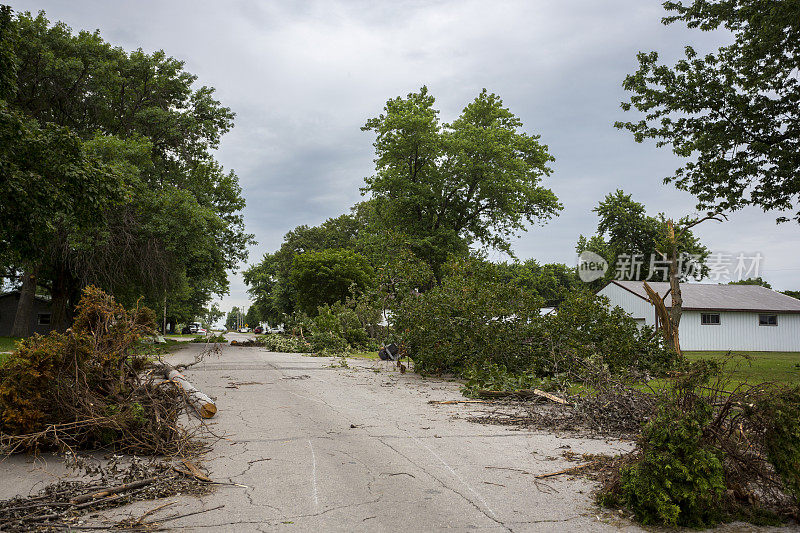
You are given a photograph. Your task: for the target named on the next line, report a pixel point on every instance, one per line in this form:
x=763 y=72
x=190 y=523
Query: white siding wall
x=632 y=304
x=737 y=330
x=740 y=331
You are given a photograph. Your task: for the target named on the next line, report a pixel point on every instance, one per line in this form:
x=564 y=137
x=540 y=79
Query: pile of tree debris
x=92 y=387
x=708 y=448
x=66 y=504
x=249 y=343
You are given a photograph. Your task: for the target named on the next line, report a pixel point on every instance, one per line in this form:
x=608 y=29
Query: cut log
x=204 y=405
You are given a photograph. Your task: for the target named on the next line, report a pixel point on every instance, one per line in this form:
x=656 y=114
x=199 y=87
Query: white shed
x=719 y=317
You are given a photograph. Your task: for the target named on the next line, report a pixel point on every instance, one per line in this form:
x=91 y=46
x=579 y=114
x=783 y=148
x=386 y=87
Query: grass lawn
x=757 y=367
x=7 y=343
x=364 y=355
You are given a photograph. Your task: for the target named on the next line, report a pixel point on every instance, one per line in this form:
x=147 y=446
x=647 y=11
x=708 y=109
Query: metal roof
x=706 y=296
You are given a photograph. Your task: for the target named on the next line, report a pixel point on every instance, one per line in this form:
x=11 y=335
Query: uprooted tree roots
x=90 y=388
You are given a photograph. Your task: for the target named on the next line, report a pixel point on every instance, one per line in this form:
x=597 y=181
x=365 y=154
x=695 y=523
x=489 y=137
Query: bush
x=473 y=319
x=677 y=479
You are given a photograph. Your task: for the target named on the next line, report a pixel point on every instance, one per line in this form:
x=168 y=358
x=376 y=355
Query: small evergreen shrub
x=677 y=479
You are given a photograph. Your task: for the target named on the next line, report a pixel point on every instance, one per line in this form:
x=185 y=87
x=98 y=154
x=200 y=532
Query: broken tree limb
x=204 y=405
x=521 y=393
x=452 y=402
x=196 y=471
x=565 y=471
x=113 y=490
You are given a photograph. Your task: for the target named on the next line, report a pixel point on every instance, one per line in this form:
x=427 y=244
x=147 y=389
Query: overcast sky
x=303 y=77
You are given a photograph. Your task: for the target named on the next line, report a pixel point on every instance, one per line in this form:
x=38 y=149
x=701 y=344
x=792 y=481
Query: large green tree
x=328 y=276
x=177 y=227
x=475 y=180
x=269 y=281
x=733 y=114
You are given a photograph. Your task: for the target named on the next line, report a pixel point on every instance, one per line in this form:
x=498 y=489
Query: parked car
x=258 y=330
x=278 y=329
x=244 y=330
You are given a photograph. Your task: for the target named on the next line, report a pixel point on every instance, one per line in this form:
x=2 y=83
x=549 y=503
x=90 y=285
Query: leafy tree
x=751 y=281
x=551 y=281
x=328 y=276
x=212 y=314
x=252 y=317
x=174 y=226
x=232 y=320
x=625 y=229
x=269 y=281
x=733 y=114
x=476 y=179
x=793 y=294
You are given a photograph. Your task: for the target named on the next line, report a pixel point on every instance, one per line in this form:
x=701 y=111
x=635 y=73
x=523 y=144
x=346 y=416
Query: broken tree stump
x=201 y=403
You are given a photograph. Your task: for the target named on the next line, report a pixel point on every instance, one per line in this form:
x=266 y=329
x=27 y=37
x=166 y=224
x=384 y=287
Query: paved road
x=326 y=448
x=319 y=447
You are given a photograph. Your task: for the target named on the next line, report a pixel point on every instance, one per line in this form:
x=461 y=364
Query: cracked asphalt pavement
x=322 y=447
x=310 y=445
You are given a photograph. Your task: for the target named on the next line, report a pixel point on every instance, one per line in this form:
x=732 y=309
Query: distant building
x=41 y=317
x=719 y=317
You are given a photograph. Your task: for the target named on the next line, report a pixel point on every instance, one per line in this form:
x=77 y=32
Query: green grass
x=7 y=344
x=759 y=367
x=364 y=355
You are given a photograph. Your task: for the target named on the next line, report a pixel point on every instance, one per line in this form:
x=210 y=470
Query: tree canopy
x=624 y=230
x=475 y=180
x=734 y=114
x=328 y=276
x=109 y=156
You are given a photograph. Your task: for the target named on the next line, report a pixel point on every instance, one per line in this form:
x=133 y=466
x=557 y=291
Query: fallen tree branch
x=520 y=393
x=565 y=471
x=451 y=402
x=114 y=490
x=201 y=403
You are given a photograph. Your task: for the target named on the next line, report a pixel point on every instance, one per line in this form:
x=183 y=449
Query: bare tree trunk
x=22 y=319
x=676 y=309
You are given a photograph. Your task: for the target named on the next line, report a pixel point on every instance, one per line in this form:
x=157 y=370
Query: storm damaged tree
x=733 y=114
x=446 y=186
x=671 y=246
x=624 y=229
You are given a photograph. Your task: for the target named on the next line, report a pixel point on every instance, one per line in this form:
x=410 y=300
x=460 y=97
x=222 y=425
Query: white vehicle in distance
x=244 y=330
x=278 y=329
